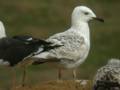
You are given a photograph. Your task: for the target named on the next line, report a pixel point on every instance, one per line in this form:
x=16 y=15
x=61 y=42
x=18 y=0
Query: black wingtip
x=57 y=46
x=50 y=47
x=44 y=42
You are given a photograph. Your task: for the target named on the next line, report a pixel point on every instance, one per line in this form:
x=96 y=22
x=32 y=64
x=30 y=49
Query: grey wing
x=73 y=45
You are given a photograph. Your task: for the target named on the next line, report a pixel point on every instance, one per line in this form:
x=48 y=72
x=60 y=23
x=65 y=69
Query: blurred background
x=42 y=18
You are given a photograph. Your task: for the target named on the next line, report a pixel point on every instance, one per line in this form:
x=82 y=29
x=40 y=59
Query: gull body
x=19 y=49
x=15 y=49
x=75 y=41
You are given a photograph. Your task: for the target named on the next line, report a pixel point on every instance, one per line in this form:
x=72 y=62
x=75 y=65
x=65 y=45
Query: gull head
x=2 y=30
x=84 y=14
x=114 y=62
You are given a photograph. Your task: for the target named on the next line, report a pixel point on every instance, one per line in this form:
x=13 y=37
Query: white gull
x=75 y=41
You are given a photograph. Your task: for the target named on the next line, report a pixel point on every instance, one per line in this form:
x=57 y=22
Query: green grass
x=42 y=18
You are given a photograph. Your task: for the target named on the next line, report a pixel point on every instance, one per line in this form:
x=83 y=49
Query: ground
x=59 y=85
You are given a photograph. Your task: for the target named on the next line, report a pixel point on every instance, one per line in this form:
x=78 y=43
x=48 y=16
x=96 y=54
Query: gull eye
x=86 y=13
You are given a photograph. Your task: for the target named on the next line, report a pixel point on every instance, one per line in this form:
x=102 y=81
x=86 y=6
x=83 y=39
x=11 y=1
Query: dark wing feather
x=15 y=49
x=28 y=38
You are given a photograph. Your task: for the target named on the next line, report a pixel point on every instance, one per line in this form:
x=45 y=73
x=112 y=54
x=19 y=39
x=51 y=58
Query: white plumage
x=75 y=40
x=2 y=30
x=75 y=48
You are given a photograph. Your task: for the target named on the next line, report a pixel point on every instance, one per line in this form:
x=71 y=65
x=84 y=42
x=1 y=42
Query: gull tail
x=44 y=53
x=44 y=46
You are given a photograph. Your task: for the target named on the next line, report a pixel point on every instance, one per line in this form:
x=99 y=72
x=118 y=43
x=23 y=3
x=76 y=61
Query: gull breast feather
x=73 y=48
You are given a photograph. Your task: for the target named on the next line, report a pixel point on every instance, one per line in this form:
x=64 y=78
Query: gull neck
x=2 y=30
x=83 y=29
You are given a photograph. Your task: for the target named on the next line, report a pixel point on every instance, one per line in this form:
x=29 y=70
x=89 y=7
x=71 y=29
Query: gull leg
x=74 y=74
x=27 y=61
x=59 y=74
x=24 y=76
x=14 y=77
x=13 y=74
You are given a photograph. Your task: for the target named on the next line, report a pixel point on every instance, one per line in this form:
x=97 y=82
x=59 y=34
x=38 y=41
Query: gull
x=75 y=41
x=108 y=76
x=17 y=50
